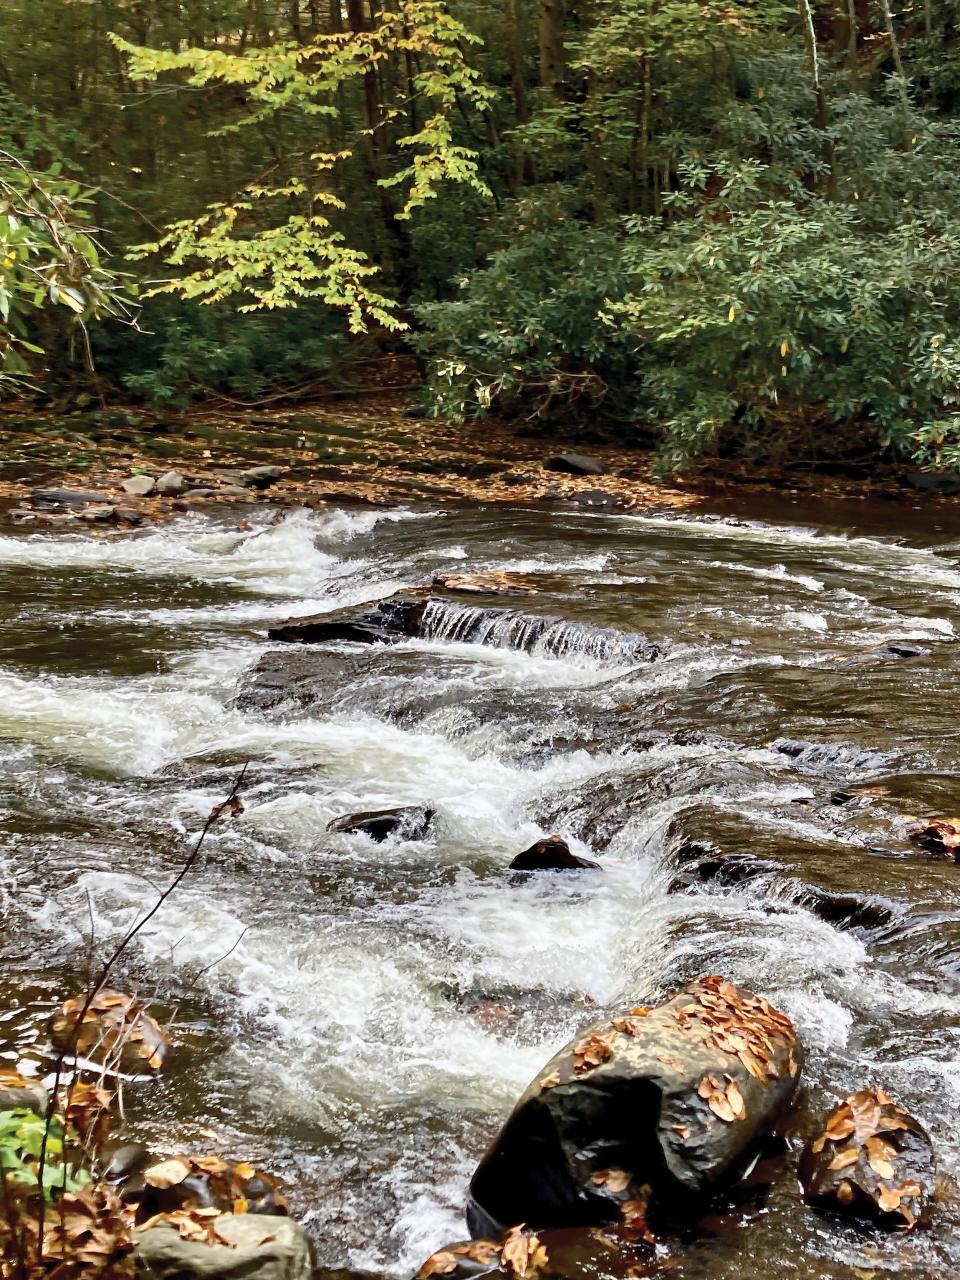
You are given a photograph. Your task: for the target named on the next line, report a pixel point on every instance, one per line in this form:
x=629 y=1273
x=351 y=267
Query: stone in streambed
x=69 y=497
x=552 y=854
x=18 y=1093
x=409 y=823
x=139 y=486
x=261 y=477
x=171 y=484
x=672 y=1098
x=872 y=1161
x=575 y=464
x=252 y=1247
x=386 y=622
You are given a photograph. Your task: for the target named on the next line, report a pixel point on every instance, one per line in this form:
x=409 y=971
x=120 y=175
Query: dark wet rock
x=552 y=854
x=139 y=486
x=872 y=1161
x=261 y=477
x=517 y=478
x=671 y=1098
x=234 y=491
x=255 y=1248
x=559 y=1253
x=70 y=497
x=821 y=757
x=128 y=515
x=575 y=464
x=481 y=470
x=599 y=500
x=18 y=1093
x=387 y=622
x=412 y=822
x=704 y=863
x=903 y=651
x=300 y=676
x=934 y=482
x=202 y=492
x=171 y=484
x=842 y=797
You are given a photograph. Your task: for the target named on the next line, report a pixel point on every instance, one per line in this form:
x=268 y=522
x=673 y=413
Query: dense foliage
x=725 y=227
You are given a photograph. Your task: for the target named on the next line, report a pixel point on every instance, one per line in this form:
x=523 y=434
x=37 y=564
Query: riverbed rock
x=600 y=500
x=386 y=622
x=564 y=1253
x=411 y=822
x=70 y=497
x=171 y=484
x=940 y=836
x=250 y=1247
x=551 y=854
x=575 y=464
x=18 y=1093
x=672 y=1098
x=139 y=486
x=261 y=477
x=872 y=1161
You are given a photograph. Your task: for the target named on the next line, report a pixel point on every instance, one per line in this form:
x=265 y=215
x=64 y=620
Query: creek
x=360 y=1017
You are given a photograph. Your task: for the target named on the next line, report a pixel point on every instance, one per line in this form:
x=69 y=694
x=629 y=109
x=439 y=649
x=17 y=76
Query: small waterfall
x=530 y=633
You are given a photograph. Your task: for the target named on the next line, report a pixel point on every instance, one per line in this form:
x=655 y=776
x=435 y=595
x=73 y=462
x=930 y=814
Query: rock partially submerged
x=575 y=464
x=872 y=1161
x=239 y=1247
x=552 y=854
x=411 y=822
x=564 y=1253
x=405 y=617
x=670 y=1098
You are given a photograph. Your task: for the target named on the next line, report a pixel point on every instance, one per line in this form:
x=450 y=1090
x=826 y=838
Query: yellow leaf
x=784 y=348
x=732 y=313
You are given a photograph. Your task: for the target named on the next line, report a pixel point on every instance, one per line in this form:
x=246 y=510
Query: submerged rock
x=575 y=464
x=552 y=854
x=564 y=1253
x=244 y=1248
x=872 y=1161
x=409 y=823
x=669 y=1098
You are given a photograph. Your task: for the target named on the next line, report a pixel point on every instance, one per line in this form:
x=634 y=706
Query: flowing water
x=361 y=1017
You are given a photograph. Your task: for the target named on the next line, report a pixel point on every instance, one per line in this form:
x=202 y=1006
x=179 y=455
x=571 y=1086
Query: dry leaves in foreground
x=116 y=1028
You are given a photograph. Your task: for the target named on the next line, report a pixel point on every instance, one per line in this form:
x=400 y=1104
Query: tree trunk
x=550 y=35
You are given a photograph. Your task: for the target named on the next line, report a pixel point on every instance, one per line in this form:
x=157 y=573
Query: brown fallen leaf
x=522 y=1252
x=735 y=1099
x=438 y=1264
x=843 y=1159
x=551 y=1081
x=845 y=1192
x=614 y=1180
x=168 y=1173
x=718 y=1104
x=888 y=1198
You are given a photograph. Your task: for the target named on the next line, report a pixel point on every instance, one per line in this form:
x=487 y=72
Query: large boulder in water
x=409 y=823
x=668 y=1098
x=229 y=1247
x=872 y=1161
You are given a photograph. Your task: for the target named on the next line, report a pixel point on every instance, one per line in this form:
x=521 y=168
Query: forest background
x=716 y=228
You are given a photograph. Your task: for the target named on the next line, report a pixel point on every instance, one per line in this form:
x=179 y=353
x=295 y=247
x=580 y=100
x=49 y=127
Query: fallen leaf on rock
x=845 y=1192
x=168 y=1173
x=843 y=1159
x=233 y=806
x=522 y=1252
x=888 y=1198
x=613 y=1179
x=719 y=1105
x=438 y=1264
x=551 y=1081
x=591 y=1052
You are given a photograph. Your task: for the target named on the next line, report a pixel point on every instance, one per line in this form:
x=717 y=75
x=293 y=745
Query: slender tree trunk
x=822 y=114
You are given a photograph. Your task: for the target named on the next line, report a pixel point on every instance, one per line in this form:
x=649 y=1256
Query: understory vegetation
x=722 y=228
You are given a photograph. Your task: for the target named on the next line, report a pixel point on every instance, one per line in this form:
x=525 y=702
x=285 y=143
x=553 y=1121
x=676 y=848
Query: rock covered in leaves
x=551 y=854
x=227 y=1247
x=114 y=1029
x=186 y=1184
x=562 y=1253
x=872 y=1161
x=411 y=822
x=667 y=1099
